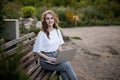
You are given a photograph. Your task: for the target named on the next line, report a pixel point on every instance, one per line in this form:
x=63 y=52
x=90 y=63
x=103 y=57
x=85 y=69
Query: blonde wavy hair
x=44 y=24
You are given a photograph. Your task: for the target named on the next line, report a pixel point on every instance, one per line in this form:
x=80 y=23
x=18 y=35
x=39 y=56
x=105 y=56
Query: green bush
x=102 y=23
x=115 y=21
x=61 y=14
x=28 y=11
x=12 y=10
x=38 y=13
x=23 y=30
x=66 y=24
x=34 y=29
x=10 y=67
x=64 y=20
x=82 y=23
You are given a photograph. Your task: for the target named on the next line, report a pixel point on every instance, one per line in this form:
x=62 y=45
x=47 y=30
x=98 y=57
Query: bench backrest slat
x=15 y=41
x=25 y=43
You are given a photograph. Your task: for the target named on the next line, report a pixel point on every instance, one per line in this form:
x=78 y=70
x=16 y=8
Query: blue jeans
x=65 y=68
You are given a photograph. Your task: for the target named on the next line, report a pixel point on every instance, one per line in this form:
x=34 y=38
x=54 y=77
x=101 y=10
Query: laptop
x=66 y=55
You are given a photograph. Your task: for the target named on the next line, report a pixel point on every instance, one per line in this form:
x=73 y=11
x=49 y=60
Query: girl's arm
x=60 y=48
x=46 y=57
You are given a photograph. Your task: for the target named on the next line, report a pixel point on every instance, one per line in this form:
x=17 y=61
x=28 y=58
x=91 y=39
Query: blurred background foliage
x=28 y=11
x=89 y=12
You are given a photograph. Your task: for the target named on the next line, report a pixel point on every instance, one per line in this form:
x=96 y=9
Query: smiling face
x=49 y=19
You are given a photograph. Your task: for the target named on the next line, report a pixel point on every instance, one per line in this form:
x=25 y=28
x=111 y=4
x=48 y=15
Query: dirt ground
x=98 y=54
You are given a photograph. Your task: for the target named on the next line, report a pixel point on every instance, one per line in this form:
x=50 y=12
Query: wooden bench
x=29 y=61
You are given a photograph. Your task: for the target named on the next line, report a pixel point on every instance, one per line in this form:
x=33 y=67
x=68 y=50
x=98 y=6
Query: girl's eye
x=49 y=18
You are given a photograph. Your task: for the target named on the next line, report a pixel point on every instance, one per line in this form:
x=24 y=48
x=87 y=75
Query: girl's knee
x=66 y=64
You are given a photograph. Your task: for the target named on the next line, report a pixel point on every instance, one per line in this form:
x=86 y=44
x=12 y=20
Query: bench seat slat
x=47 y=75
x=33 y=69
x=36 y=73
x=41 y=74
x=30 y=62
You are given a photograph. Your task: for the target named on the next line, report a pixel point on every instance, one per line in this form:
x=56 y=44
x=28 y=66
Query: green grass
x=76 y=37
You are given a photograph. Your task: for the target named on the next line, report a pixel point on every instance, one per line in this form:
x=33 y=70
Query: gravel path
x=98 y=54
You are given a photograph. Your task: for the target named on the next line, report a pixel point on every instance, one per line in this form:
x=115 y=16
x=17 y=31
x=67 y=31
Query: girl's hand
x=52 y=59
